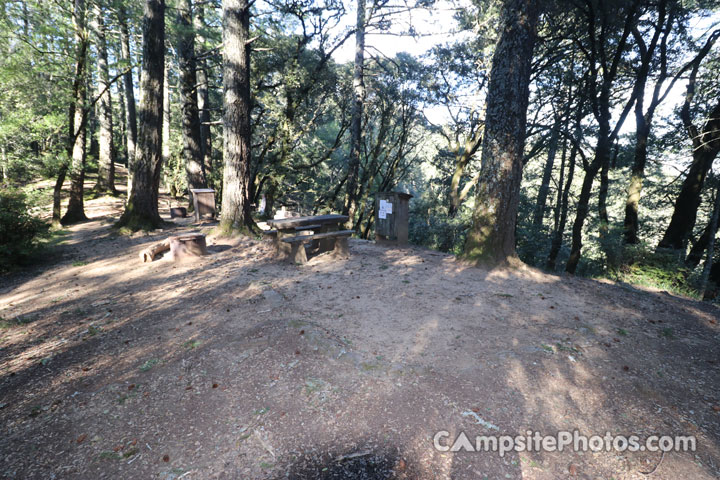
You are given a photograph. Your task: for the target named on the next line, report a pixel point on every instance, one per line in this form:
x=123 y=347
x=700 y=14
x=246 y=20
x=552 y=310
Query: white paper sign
x=385 y=208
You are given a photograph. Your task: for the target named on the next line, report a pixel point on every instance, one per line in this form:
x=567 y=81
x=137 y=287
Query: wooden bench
x=308 y=227
x=297 y=243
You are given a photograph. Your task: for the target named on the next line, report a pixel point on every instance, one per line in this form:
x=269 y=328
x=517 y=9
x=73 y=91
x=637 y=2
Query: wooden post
x=297 y=253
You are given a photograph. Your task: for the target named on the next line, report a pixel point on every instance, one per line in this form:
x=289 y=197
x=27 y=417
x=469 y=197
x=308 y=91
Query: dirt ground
x=240 y=366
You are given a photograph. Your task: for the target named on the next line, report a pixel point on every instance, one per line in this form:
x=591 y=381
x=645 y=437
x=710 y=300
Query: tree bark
x=643 y=120
x=539 y=212
x=235 y=212
x=203 y=97
x=106 y=159
x=141 y=211
x=602 y=151
x=63 y=170
x=713 y=227
x=600 y=99
x=604 y=227
x=350 y=206
x=631 y=224
x=166 y=114
x=492 y=236
x=706 y=145
x=130 y=111
x=76 y=210
x=696 y=252
x=122 y=127
x=561 y=212
x=192 y=151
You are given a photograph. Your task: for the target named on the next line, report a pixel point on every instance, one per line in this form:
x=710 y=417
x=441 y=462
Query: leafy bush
x=641 y=266
x=19 y=231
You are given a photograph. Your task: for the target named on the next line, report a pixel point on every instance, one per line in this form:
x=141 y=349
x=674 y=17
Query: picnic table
x=295 y=237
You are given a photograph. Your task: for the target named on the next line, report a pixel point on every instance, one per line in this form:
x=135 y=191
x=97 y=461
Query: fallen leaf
x=81 y=438
x=716 y=408
x=166 y=458
x=215 y=385
x=131 y=386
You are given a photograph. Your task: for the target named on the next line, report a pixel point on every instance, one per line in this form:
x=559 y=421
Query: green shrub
x=19 y=231
x=641 y=266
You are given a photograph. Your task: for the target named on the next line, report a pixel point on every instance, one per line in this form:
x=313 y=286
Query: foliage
x=422 y=123
x=19 y=231
x=639 y=265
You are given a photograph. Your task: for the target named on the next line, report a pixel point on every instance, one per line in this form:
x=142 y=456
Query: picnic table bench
x=291 y=237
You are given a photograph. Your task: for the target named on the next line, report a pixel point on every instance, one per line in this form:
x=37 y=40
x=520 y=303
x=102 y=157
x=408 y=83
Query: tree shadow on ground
x=335 y=358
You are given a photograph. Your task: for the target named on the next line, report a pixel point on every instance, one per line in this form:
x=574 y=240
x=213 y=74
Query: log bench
x=298 y=242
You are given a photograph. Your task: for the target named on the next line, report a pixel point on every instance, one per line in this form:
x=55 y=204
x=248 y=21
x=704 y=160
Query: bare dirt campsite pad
x=240 y=366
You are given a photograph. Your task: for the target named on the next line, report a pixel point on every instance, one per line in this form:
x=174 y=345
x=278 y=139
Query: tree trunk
x=602 y=152
x=604 y=226
x=562 y=211
x=696 y=252
x=166 y=114
x=637 y=173
x=350 y=206
x=539 y=213
x=122 y=127
x=76 y=210
x=4 y=163
x=236 y=119
x=92 y=124
x=711 y=244
x=63 y=170
x=492 y=236
x=106 y=158
x=631 y=226
x=203 y=96
x=603 y=68
x=706 y=145
x=130 y=114
x=141 y=211
x=192 y=151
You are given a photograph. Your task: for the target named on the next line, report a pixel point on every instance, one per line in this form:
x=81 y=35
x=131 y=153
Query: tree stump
x=187 y=246
x=183 y=247
x=178 y=212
